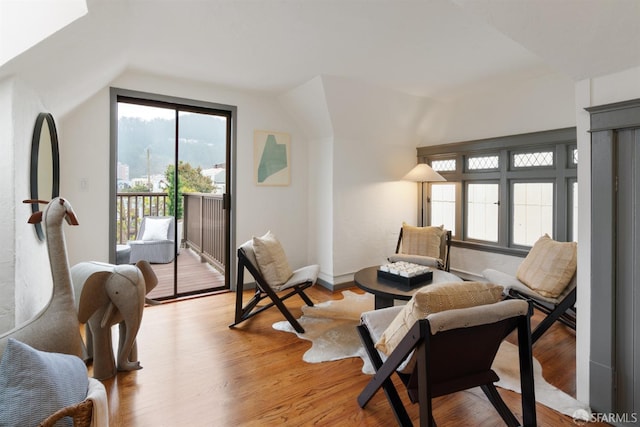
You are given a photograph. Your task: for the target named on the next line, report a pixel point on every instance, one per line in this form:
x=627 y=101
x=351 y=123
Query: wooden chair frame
x=262 y=291
x=561 y=309
x=442 y=356
x=564 y=312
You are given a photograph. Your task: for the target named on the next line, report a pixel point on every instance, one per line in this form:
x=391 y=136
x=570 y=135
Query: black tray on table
x=410 y=282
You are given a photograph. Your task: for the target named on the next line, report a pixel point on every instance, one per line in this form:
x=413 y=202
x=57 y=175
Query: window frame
x=563 y=172
x=512 y=207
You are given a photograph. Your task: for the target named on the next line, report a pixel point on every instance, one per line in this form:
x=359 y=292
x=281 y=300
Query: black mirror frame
x=55 y=155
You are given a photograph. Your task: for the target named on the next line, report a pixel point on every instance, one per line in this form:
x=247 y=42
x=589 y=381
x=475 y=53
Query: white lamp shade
x=422 y=172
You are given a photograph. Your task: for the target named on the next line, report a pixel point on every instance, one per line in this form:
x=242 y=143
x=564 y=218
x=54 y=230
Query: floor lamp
x=422 y=173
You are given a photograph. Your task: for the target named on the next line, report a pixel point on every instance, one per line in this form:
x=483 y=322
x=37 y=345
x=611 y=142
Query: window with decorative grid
x=505 y=206
x=534 y=159
x=483 y=162
x=448 y=165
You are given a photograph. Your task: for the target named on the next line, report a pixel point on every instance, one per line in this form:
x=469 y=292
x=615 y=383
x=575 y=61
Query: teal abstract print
x=272 y=158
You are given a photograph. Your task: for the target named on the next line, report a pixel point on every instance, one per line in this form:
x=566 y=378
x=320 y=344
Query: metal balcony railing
x=202 y=228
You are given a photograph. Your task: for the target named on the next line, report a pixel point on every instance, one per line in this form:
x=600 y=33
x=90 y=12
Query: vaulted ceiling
x=431 y=48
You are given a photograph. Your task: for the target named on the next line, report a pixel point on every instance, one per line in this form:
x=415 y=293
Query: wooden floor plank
x=199 y=372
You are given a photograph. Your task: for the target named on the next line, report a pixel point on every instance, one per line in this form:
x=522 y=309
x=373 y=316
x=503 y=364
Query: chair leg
x=546 y=323
x=496 y=400
x=387 y=385
x=305 y=298
x=525 y=354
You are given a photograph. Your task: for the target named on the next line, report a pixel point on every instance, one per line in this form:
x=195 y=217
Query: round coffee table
x=385 y=291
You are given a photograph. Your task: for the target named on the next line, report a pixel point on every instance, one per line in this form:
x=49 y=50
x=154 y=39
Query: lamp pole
x=422 y=173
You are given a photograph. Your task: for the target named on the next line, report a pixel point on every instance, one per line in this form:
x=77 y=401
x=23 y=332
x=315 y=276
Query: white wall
x=85 y=153
x=373 y=148
x=307 y=105
x=7 y=216
x=25 y=273
x=607 y=89
x=539 y=103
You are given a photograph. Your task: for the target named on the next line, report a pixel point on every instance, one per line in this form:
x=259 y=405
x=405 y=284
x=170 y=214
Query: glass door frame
x=189 y=105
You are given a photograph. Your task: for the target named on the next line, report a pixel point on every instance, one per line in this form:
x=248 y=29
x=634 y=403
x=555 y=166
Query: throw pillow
x=271 y=259
x=34 y=384
x=433 y=299
x=549 y=266
x=424 y=241
x=156 y=228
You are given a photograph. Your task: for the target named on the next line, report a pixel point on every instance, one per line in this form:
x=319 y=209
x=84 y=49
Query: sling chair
x=447 y=352
x=301 y=279
x=560 y=309
x=417 y=248
x=547 y=278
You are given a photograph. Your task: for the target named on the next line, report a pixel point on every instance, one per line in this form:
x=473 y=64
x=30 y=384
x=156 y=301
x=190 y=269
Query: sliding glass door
x=171 y=198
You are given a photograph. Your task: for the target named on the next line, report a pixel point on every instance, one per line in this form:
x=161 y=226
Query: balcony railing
x=204 y=226
x=202 y=229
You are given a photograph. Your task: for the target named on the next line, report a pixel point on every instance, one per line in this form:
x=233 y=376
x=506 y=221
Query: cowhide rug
x=330 y=326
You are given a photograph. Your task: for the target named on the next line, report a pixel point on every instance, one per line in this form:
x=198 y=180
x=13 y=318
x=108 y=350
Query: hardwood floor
x=198 y=372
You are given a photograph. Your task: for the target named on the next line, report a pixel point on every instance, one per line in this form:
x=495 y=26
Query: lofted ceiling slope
x=429 y=48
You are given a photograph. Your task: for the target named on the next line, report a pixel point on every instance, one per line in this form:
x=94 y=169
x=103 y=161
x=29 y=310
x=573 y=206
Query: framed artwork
x=272 y=158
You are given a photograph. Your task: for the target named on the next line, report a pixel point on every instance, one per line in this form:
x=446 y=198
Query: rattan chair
x=81 y=413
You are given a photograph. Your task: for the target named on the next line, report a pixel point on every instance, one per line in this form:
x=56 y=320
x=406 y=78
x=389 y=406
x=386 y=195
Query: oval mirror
x=45 y=164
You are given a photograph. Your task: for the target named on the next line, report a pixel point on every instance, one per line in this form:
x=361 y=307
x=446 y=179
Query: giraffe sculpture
x=56 y=327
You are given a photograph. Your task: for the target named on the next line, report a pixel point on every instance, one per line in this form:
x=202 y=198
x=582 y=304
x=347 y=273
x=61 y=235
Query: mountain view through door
x=176 y=221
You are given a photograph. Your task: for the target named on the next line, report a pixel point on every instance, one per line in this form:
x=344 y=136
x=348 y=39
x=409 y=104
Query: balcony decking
x=201 y=231
x=194 y=275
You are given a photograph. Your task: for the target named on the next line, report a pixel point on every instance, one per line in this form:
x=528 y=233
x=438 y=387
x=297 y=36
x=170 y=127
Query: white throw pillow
x=156 y=228
x=271 y=259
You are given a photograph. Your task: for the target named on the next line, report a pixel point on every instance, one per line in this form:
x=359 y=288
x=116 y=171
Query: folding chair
x=442 y=261
x=560 y=309
x=547 y=278
x=447 y=352
x=302 y=279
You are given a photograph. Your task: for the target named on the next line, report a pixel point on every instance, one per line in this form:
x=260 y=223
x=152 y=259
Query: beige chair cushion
x=433 y=299
x=426 y=241
x=271 y=259
x=549 y=266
